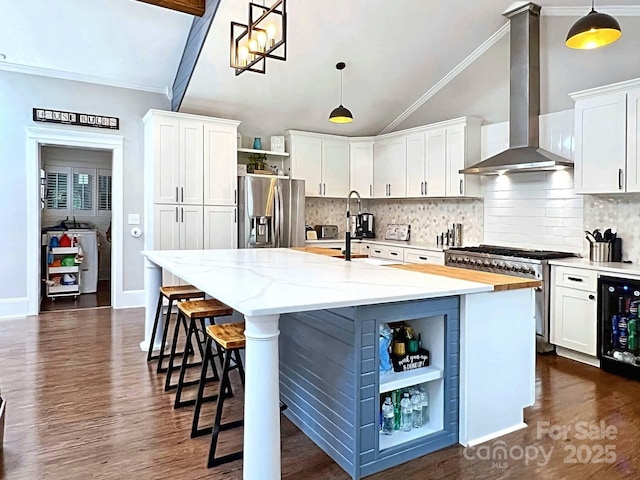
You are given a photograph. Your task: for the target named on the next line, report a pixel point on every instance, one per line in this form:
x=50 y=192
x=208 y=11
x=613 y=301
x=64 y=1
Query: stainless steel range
x=521 y=263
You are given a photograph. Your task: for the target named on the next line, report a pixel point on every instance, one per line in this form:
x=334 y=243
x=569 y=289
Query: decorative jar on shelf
x=257 y=143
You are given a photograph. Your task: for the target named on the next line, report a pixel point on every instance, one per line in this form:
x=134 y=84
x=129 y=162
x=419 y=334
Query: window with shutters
x=75 y=191
x=104 y=192
x=57 y=186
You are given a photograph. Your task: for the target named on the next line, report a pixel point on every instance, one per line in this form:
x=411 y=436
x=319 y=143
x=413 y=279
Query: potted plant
x=256 y=162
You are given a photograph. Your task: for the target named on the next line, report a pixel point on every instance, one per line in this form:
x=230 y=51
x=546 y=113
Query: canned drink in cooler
x=632 y=341
x=633 y=309
x=614 y=331
x=623 y=333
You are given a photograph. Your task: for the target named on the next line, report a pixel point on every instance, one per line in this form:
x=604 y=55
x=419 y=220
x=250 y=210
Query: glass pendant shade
x=341 y=115
x=593 y=30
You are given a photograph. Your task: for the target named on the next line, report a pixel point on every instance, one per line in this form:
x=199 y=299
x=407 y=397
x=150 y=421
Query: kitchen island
x=482 y=344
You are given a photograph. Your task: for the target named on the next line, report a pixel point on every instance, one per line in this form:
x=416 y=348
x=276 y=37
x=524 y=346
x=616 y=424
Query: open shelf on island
x=395 y=380
x=398 y=437
x=265 y=152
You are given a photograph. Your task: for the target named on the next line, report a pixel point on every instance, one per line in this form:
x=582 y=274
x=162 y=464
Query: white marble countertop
x=607 y=267
x=392 y=243
x=271 y=281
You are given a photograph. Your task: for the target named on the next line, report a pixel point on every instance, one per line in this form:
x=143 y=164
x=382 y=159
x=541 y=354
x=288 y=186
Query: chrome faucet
x=347 y=237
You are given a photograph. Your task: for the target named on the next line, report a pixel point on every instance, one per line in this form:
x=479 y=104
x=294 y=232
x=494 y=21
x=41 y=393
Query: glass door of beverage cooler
x=618 y=302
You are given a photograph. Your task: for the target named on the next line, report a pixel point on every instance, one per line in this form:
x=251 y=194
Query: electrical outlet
x=134 y=219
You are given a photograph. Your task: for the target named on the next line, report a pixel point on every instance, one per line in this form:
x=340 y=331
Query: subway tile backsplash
x=533 y=210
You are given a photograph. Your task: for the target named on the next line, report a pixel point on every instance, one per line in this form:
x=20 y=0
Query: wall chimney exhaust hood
x=523 y=154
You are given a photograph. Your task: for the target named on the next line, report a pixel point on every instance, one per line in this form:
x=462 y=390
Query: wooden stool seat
x=181 y=292
x=197 y=309
x=229 y=336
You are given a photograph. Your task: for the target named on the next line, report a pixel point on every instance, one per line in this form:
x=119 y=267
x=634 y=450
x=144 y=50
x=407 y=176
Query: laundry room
x=76 y=227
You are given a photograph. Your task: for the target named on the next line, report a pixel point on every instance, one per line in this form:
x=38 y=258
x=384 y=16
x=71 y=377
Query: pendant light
x=340 y=114
x=593 y=30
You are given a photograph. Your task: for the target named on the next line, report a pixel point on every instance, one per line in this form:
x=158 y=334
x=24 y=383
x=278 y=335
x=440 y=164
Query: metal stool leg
x=172 y=355
x=217 y=426
x=200 y=398
x=150 y=356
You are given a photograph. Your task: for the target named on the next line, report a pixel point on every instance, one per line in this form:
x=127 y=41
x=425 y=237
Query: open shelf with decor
x=264 y=152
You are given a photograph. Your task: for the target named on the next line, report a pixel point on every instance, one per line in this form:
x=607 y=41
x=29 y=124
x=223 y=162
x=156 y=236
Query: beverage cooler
x=618 y=302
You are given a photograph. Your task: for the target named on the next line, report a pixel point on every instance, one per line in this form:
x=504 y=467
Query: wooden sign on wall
x=74 y=118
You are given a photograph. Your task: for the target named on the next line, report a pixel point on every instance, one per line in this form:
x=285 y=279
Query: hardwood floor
x=82 y=403
x=102 y=298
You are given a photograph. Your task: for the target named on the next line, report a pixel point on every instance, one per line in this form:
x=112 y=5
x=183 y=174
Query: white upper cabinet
x=600 y=157
x=606 y=146
x=462 y=150
x=193 y=158
x=390 y=167
x=220 y=173
x=436 y=164
x=322 y=161
x=361 y=168
x=335 y=168
x=416 y=165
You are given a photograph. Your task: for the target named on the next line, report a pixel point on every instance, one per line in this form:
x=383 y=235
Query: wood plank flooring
x=84 y=404
x=102 y=298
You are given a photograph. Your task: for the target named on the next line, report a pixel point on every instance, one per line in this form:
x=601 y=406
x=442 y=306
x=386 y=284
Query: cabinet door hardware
x=324 y=189
x=620 y=179
x=176 y=194
x=421 y=188
x=377 y=251
x=176 y=214
x=235 y=215
x=460 y=186
x=182 y=214
x=426 y=185
x=592 y=297
x=320 y=189
x=235 y=196
x=182 y=194
x=574 y=279
x=371 y=190
x=394 y=253
x=422 y=258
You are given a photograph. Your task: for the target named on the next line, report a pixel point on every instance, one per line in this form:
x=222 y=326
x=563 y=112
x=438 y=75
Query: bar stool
x=176 y=293
x=195 y=310
x=230 y=338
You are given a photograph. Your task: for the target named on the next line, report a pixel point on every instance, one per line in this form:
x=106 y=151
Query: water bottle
x=388 y=417
x=424 y=399
x=406 y=411
x=416 y=404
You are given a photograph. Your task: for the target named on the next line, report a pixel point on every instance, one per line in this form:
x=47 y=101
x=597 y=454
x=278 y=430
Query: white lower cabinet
x=220 y=227
x=177 y=227
x=414 y=255
x=388 y=253
x=574 y=311
x=575 y=315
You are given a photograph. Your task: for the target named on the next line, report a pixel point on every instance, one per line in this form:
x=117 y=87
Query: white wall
x=19 y=93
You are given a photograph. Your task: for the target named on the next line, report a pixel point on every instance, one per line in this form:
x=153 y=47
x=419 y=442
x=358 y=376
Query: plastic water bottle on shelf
x=388 y=419
x=416 y=404
x=406 y=412
x=424 y=400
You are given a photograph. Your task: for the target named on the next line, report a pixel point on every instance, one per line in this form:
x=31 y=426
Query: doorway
x=76 y=204
x=39 y=138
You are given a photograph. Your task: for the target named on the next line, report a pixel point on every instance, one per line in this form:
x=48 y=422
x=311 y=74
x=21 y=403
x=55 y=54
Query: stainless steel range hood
x=523 y=154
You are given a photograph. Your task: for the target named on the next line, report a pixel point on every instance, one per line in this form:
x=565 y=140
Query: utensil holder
x=600 y=252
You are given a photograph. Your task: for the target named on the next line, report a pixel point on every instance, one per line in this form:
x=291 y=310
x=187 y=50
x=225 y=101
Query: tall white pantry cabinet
x=190 y=183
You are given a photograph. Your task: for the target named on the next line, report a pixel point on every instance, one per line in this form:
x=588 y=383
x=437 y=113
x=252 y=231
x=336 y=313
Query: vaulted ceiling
x=395 y=51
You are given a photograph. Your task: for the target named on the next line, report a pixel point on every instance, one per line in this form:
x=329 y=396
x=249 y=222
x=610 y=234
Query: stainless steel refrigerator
x=271 y=212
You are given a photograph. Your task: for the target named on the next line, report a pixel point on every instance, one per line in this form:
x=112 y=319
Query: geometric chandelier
x=264 y=37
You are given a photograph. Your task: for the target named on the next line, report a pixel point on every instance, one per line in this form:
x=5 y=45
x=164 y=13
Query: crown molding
x=80 y=77
x=486 y=45
x=614 y=10
x=613 y=88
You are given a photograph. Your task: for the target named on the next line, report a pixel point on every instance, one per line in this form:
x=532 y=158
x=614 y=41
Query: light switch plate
x=134 y=219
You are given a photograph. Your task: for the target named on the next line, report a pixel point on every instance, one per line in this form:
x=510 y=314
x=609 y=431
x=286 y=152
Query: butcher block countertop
x=499 y=282
x=329 y=252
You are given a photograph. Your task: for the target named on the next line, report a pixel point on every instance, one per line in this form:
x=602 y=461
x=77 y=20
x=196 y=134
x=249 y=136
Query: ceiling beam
x=193 y=7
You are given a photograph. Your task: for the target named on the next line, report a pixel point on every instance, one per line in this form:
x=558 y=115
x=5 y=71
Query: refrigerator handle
x=281 y=222
x=276 y=217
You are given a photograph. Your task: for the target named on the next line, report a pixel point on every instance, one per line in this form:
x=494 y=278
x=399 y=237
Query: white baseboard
x=578 y=356
x=499 y=433
x=129 y=299
x=14 y=307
